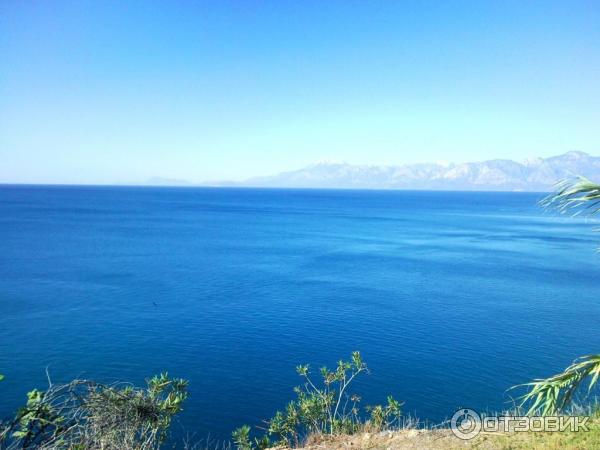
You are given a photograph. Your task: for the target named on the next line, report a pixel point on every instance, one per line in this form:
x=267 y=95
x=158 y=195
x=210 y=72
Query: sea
x=452 y=298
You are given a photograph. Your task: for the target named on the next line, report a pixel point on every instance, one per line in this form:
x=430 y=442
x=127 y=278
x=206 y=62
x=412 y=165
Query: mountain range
x=537 y=174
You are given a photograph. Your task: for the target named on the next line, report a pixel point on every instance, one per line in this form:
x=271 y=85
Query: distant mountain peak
x=576 y=154
x=328 y=162
x=533 y=174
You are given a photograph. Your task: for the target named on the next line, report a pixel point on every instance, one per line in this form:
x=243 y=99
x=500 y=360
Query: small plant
x=38 y=421
x=385 y=416
x=324 y=407
x=242 y=440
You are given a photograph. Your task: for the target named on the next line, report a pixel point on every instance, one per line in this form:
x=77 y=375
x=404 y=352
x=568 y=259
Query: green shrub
x=87 y=415
x=324 y=407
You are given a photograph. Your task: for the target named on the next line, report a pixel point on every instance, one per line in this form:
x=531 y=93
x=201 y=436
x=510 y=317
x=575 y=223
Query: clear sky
x=121 y=91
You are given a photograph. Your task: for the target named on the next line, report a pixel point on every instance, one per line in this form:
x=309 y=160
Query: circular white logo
x=465 y=424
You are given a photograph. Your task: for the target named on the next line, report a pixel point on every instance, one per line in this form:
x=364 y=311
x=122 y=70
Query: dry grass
x=84 y=415
x=443 y=439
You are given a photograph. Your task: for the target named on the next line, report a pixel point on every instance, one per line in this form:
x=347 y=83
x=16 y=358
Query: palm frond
x=577 y=195
x=552 y=395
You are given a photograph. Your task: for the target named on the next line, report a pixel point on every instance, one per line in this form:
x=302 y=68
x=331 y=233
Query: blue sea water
x=451 y=297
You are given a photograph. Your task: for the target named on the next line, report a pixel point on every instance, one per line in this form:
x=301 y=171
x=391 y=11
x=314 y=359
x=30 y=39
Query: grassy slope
x=445 y=440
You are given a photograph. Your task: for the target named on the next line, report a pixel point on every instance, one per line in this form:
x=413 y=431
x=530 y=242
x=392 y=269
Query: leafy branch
x=549 y=396
x=324 y=407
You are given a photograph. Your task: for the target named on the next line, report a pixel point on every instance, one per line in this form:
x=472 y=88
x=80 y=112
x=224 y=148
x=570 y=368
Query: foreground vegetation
x=324 y=408
x=552 y=395
x=443 y=439
x=84 y=415
x=324 y=415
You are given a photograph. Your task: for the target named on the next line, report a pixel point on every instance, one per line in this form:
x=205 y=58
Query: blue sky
x=117 y=92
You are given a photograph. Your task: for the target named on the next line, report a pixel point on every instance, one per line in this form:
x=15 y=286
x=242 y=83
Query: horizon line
x=264 y=188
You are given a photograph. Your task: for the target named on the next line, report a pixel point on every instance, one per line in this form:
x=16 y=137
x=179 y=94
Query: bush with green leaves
x=325 y=407
x=243 y=441
x=87 y=415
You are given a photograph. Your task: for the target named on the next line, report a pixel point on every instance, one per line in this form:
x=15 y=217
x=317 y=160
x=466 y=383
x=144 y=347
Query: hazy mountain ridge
x=538 y=174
